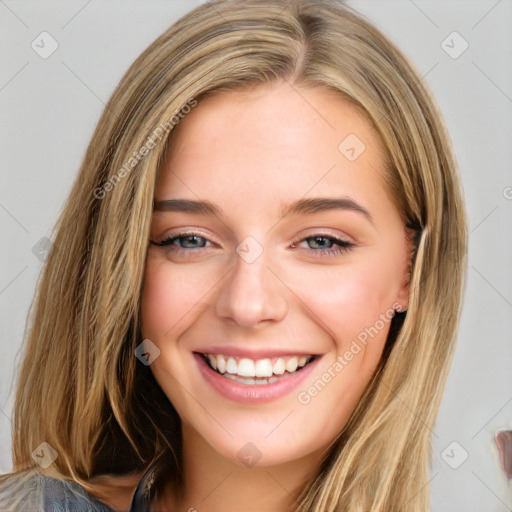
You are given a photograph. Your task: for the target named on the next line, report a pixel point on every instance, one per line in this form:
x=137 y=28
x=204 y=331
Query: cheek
x=171 y=301
x=170 y=298
x=354 y=305
x=346 y=300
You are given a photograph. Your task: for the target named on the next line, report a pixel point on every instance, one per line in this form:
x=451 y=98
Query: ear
x=402 y=299
x=412 y=237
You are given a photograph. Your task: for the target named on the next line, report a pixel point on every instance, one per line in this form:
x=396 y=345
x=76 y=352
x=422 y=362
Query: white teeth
x=291 y=364
x=221 y=363
x=231 y=366
x=246 y=368
x=279 y=366
x=213 y=362
x=251 y=382
x=262 y=369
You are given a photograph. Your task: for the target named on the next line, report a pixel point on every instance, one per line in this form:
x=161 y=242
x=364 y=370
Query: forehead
x=279 y=140
x=259 y=113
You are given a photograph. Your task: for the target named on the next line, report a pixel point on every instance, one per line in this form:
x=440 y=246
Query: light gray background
x=49 y=108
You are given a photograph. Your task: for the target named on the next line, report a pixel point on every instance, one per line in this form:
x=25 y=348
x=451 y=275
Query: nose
x=251 y=294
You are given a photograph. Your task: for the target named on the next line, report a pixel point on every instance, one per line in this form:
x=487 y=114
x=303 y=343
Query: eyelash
x=169 y=240
x=343 y=245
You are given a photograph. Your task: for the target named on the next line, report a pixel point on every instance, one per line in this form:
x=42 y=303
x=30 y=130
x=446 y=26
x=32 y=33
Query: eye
x=324 y=245
x=317 y=245
x=184 y=241
x=320 y=242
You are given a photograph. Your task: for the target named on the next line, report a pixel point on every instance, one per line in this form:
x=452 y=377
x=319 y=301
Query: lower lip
x=257 y=393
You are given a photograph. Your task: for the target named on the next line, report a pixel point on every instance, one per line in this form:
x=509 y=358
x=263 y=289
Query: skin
x=250 y=153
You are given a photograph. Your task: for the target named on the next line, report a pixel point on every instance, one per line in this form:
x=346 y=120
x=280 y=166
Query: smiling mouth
x=256 y=372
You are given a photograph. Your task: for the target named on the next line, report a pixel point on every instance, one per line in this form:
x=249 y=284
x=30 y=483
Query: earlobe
x=402 y=298
x=402 y=302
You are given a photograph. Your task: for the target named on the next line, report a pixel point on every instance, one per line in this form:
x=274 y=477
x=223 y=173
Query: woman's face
x=284 y=259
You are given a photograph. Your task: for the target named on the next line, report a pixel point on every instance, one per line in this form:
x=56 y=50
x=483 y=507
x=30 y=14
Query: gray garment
x=32 y=492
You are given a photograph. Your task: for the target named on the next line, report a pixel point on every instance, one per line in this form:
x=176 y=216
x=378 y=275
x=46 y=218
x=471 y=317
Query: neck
x=213 y=483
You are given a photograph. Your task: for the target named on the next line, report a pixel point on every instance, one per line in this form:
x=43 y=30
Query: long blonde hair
x=82 y=390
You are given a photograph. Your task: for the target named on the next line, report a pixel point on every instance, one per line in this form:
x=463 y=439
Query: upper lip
x=253 y=353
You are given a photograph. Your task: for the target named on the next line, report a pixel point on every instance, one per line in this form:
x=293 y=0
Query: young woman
x=252 y=298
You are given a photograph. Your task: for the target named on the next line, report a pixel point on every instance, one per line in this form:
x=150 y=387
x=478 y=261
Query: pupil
x=320 y=242
x=191 y=241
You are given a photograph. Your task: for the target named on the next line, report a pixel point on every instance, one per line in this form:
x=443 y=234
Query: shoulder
x=38 y=493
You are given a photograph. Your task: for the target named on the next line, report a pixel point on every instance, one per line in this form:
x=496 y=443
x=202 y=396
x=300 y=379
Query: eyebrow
x=187 y=206
x=301 y=206
x=324 y=204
